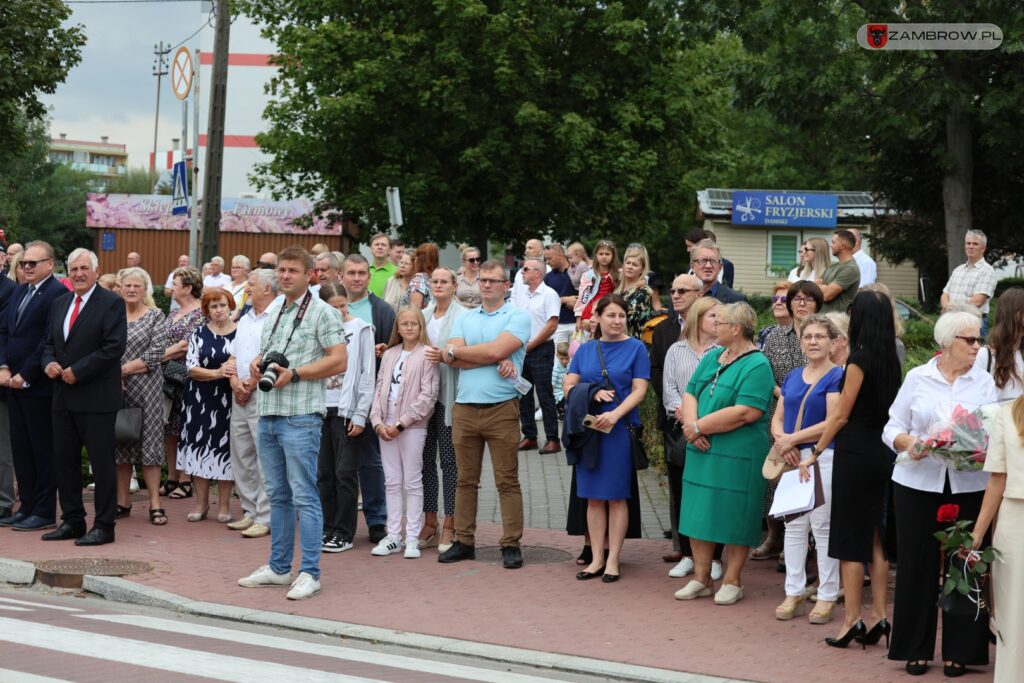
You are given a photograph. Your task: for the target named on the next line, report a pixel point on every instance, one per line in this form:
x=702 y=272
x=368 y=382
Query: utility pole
x=159 y=70
x=213 y=173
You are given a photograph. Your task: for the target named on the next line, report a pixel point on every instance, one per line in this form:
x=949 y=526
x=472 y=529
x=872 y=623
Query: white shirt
x=794 y=275
x=247 y=341
x=868 y=268
x=924 y=398
x=542 y=304
x=222 y=280
x=1013 y=388
x=81 y=307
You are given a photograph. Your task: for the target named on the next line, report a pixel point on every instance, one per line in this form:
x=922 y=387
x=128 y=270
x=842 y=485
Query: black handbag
x=128 y=426
x=636 y=432
x=675 y=444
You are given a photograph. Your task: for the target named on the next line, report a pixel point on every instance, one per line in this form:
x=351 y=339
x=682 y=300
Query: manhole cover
x=68 y=573
x=531 y=554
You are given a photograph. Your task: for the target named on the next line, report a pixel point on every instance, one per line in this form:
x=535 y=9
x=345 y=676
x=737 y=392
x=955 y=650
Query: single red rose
x=948 y=513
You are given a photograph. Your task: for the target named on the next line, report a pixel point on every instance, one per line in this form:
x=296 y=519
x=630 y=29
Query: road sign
x=181 y=73
x=179 y=197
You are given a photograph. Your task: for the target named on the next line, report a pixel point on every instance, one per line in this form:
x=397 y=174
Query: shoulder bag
x=774 y=465
x=128 y=426
x=636 y=432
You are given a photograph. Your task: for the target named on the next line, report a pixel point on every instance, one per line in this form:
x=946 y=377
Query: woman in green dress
x=725 y=423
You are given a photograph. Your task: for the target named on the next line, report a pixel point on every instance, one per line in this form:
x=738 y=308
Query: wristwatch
x=696 y=429
x=814 y=450
x=400 y=427
x=295 y=376
x=450 y=353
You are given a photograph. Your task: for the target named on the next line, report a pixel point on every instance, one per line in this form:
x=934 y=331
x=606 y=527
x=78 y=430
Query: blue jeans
x=288 y=452
x=371 y=480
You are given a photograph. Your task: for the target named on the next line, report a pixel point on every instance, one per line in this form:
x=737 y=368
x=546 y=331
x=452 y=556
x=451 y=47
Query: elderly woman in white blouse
x=925 y=483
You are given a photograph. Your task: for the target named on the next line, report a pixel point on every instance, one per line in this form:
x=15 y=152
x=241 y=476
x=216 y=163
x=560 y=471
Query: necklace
x=723 y=366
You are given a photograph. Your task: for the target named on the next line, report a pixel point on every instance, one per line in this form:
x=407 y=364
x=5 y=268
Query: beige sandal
x=822 y=612
x=788 y=609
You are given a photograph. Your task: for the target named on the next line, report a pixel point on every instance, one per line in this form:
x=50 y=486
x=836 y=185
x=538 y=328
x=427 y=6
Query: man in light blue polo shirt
x=488 y=345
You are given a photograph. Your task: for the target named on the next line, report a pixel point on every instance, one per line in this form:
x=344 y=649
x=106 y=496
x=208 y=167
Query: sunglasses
x=807 y=249
x=682 y=290
x=971 y=341
x=475 y=259
x=779 y=299
x=33 y=264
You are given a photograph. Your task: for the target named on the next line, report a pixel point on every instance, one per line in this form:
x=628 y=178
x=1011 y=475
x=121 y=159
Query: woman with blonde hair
x=398 y=283
x=634 y=290
x=1004 y=497
x=815 y=257
x=579 y=262
x=841 y=344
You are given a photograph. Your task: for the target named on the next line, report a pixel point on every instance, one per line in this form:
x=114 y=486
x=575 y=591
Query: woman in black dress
x=862 y=464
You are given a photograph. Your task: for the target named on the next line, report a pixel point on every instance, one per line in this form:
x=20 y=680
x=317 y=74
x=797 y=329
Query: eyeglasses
x=682 y=290
x=779 y=299
x=526 y=268
x=815 y=337
x=807 y=249
x=487 y=282
x=33 y=264
x=802 y=300
x=971 y=341
x=706 y=262
x=475 y=259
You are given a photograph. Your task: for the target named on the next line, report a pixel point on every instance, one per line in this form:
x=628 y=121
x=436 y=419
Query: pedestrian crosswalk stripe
x=334 y=651
x=44 y=605
x=12 y=608
x=11 y=676
x=161 y=657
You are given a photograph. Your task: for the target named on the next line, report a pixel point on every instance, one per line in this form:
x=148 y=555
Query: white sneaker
x=387 y=545
x=684 y=567
x=304 y=587
x=265 y=576
x=716 y=570
x=412 y=549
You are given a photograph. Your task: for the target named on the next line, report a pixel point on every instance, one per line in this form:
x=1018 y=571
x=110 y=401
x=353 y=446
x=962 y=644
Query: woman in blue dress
x=607 y=485
x=203 y=450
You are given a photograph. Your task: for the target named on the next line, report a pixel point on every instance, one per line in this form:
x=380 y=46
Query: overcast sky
x=112 y=91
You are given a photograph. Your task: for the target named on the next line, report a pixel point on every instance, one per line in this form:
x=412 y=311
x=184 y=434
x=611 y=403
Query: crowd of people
x=318 y=384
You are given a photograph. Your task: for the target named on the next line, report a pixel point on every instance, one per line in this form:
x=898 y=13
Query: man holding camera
x=303 y=343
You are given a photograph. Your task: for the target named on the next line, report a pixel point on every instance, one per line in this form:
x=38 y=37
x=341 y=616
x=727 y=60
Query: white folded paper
x=792 y=495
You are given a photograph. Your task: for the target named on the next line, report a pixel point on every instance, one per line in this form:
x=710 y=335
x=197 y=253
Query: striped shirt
x=320 y=328
x=968 y=280
x=680 y=362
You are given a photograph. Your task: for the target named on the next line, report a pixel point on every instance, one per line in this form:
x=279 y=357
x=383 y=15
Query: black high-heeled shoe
x=586 y=556
x=882 y=628
x=856 y=632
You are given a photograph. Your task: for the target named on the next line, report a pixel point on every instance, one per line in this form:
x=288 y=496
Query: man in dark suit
x=85 y=340
x=29 y=396
x=706 y=262
x=7 y=288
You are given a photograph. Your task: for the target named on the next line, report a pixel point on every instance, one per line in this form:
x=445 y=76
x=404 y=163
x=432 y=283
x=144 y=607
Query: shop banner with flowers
x=153 y=212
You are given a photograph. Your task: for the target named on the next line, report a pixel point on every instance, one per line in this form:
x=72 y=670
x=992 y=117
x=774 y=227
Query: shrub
x=1006 y=283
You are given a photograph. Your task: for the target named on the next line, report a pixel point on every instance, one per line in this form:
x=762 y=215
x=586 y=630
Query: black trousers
x=94 y=432
x=31 y=420
x=537 y=368
x=337 y=476
x=919 y=579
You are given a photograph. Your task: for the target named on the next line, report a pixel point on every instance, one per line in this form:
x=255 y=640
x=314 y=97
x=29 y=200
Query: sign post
x=394 y=207
x=182 y=74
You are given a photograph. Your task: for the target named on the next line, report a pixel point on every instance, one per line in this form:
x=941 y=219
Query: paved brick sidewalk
x=540 y=607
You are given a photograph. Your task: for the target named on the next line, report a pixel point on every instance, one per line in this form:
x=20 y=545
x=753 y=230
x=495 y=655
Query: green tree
x=134 y=181
x=937 y=134
x=36 y=53
x=497 y=119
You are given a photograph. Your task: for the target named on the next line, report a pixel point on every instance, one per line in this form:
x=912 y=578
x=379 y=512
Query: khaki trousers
x=496 y=426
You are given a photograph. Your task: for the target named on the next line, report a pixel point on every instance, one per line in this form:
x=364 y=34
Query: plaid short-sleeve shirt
x=321 y=327
x=968 y=280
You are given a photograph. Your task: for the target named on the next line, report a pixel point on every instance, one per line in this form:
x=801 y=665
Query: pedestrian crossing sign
x=179 y=198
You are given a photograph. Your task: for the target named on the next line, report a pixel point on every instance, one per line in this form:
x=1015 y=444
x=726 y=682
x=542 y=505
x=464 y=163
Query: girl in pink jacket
x=403 y=402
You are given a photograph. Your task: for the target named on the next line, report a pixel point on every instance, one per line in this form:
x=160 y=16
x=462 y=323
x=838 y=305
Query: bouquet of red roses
x=965 y=589
x=958 y=438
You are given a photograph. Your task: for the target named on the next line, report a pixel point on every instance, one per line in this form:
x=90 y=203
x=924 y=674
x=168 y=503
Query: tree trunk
x=958 y=182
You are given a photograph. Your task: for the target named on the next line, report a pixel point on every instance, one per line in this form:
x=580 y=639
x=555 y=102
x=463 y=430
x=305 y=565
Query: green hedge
x=1008 y=282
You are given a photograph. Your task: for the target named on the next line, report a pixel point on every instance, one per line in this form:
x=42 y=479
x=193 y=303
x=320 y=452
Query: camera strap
x=295 y=323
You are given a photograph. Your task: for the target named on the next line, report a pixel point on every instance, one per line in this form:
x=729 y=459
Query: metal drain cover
x=68 y=573
x=532 y=554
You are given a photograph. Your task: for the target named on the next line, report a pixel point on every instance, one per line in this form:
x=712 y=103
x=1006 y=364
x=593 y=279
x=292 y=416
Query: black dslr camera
x=269 y=374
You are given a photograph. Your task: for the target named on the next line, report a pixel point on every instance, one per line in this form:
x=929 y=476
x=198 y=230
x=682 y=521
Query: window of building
x=783 y=253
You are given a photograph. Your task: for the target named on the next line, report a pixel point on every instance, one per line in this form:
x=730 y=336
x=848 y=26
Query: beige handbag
x=774 y=465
